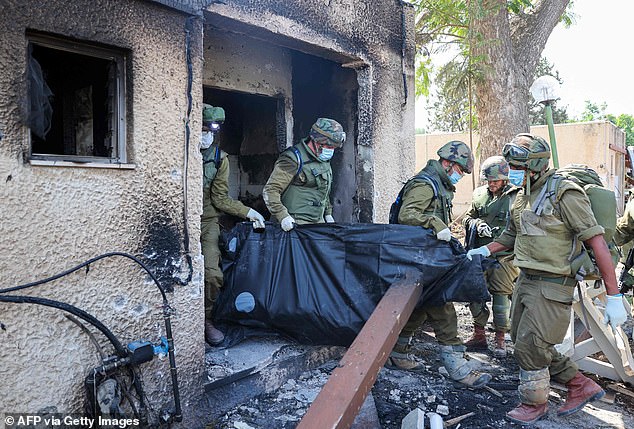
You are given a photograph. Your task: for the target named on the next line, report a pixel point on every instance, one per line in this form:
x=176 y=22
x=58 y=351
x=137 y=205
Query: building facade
x=99 y=155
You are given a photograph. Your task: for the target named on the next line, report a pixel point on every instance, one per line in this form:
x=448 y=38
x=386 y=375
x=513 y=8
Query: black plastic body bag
x=319 y=283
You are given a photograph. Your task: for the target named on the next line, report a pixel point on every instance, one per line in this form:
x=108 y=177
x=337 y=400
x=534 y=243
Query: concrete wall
x=357 y=34
x=54 y=217
x=599 y=144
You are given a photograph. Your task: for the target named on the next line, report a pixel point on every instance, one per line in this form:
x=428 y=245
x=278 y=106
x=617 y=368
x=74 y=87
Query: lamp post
x=545 y=90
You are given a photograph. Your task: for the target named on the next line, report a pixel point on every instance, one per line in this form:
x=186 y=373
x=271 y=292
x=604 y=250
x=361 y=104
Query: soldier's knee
x=531 y=353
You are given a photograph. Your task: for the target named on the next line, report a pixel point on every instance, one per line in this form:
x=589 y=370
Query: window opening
x=77 y=101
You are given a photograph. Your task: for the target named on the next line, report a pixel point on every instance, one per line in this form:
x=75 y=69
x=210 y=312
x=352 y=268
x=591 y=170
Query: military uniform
x=493 y=210
x=305 y=195
x=216 y=199
x=540 y=311
x=623 y=237
x=421 y=208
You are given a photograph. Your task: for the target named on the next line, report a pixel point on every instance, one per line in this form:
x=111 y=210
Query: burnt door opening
x=252 y=135
x=322 y=88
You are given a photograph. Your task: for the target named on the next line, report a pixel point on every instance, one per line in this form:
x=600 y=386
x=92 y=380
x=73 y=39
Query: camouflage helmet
x=495 y=168
x=213 y=114
x=328 y=132
x=458 y=152
x=526 y=150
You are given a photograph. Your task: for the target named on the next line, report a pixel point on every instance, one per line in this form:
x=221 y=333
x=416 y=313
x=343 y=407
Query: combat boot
x=401 y=358
x=533 y=391
x=479 y=340
x=212 y=335
x=460 y=369
x=499 y=347
x=527 y=414
x=404 y=361
x=581 y=390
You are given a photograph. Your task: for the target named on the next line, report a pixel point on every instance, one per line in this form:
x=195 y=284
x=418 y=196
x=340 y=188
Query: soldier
x=216 y=199
x=544 y=232
x=427 y=202
x=483 y=222
x=298 y=190
x=623 y=237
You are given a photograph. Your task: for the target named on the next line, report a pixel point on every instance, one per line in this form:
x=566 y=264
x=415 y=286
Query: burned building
x=100 y=106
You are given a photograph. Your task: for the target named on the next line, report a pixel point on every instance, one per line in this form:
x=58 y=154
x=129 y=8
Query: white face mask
x=206 y=139
x=326 y=154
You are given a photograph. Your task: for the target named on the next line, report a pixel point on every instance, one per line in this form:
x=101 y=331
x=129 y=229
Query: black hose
x=84 y=264
x=17 y=299
x=91 y=319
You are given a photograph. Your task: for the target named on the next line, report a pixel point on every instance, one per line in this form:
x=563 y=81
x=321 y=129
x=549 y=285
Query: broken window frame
x=116 y=118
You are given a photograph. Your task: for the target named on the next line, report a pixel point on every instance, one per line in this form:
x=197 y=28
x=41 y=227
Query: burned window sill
x=81 y=164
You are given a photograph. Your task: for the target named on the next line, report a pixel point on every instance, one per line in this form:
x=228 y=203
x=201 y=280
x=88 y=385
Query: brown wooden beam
x=343 y=394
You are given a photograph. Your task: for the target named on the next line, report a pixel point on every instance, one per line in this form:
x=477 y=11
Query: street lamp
x=545 y=90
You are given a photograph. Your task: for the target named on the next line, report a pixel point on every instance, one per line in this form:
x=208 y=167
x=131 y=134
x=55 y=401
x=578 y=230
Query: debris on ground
x=397 y=393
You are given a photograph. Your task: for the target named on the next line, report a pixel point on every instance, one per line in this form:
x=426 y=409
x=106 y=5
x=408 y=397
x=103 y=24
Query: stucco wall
x=53 y=218
x=366 y=36
x=578 y=143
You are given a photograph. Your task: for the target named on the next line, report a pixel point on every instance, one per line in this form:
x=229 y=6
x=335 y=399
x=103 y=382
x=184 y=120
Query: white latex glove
x=256 y=218
x=329 y=219
x=288 y=223
x=482 y=250
x=444 y=235
x=615 y=313
x=484 y=230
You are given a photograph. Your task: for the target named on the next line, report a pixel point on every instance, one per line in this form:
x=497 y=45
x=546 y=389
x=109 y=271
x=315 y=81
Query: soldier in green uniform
x=623 y=237
x=544 y=232
x=298 y=190
x=426 y=202
x=216 y=199
x=484 y=222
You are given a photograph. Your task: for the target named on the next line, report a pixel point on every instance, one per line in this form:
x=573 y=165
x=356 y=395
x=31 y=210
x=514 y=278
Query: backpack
x=395 y=208
x=603 y=204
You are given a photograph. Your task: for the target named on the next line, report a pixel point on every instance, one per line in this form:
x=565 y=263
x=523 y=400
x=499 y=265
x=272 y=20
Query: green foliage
x=536 y=112
x=626 y=123
x=593 y=112
x=451 y=108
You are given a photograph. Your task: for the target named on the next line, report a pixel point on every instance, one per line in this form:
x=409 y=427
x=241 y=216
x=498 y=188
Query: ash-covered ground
x=396 y=393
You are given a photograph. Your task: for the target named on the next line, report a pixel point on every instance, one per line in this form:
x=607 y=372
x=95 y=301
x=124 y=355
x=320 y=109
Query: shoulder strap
x=217 y=157
x=548 y=191
x=429 y=179
x=300 y=162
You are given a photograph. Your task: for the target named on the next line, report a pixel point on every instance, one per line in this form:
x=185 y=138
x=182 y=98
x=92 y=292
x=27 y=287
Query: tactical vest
x=212 y=157
x=494 y=210
x=307 y=195
x=543 y=242
x=441 y=206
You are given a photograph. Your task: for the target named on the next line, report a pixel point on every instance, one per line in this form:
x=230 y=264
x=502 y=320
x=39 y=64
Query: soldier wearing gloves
x=544 y=232
x=426 y=202
x=485 y=221
x=216 y=199
x=298 y=190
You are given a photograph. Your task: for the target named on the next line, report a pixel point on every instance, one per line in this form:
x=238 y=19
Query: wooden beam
x=343 y=394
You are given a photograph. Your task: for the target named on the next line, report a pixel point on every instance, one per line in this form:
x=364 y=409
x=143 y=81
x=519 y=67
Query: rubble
x=399 y=393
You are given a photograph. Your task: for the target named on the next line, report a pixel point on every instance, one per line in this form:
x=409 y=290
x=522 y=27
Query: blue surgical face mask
x=326 y=154
x=454 y=177
x=516 y=177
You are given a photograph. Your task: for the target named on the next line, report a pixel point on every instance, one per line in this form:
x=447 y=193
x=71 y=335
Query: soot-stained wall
x=55 y=215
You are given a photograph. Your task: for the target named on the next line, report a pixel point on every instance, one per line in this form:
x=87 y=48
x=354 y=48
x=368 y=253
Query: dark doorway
x=252 y=135
x=323 y=88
